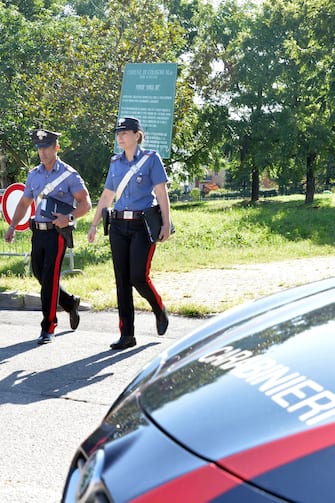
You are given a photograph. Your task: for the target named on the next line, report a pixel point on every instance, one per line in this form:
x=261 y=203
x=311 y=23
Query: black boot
x=74 y=315
x=162 y=322
x=45 y=338
x=125 y=341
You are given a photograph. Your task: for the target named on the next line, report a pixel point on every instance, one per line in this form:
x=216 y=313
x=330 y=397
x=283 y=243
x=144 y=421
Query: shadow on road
x=24 y=387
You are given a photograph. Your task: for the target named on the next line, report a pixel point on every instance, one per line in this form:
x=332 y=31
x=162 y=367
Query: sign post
x=148 y=93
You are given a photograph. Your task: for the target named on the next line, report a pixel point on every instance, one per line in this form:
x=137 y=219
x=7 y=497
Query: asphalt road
x=53 y=396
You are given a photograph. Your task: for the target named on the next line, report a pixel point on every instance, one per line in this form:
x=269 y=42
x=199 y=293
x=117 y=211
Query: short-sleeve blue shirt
x=138 y=193
x=39 y=177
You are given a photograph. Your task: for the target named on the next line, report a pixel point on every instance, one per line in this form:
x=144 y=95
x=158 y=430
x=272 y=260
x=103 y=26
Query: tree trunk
x=254 y=185
x=3 y=177
x=310 y=178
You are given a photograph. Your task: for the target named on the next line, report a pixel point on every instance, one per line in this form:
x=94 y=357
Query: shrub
x=195 y=194
x=214 y=194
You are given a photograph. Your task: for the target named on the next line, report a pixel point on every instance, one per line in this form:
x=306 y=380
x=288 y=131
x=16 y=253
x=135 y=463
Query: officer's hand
x=9 y=236
x=61 y=221
x=92 y=233
x=165 y=233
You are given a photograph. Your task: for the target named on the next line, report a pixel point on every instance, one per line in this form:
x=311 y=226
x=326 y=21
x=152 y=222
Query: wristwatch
x=71 y=217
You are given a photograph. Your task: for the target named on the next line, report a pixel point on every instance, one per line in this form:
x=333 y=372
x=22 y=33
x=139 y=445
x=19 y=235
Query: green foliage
x=214 y=194
x=64 y=72
x=255 y=88
x=98 y=8
x=276 y=79
x=30 y=9
x=195 y=194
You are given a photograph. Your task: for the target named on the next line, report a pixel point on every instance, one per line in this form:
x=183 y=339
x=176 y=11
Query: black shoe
x=45 y=338
x=125 y=341
x=74 y=315
x=162 y=322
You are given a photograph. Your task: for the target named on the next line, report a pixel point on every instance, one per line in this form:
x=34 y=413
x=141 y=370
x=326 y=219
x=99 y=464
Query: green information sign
x=148 y=93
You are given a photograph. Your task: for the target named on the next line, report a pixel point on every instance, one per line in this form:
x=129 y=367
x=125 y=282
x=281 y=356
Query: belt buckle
x=43 y=226
x=128 y=215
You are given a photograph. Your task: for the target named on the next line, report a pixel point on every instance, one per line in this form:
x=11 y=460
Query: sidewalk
x=219 y=289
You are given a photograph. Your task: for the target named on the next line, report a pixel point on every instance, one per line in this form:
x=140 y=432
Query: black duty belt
x=127 y=215
x=43 y=226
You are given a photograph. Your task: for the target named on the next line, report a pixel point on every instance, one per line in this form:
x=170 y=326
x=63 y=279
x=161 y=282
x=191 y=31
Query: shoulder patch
x=149 y=152
x=69 y=168
x=116 y=157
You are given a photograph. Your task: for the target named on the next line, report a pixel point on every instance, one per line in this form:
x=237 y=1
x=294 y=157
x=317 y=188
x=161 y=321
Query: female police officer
x=132 y=251
x=52 y=177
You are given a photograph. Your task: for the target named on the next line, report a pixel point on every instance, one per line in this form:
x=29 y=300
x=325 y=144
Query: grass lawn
x=209 y=234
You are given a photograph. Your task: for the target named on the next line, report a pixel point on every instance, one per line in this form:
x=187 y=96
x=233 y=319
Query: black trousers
x=47 y=254
x=132 y=254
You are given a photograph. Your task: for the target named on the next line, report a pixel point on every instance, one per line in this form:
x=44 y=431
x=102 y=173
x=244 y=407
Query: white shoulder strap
x=50 y=186
x=134 y=169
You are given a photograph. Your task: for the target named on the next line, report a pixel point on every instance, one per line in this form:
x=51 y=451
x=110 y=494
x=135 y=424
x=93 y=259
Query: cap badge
x=41 y=134
x=121 y=121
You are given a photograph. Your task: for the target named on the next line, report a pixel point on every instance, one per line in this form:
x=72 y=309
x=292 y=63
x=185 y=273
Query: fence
x=21 y=245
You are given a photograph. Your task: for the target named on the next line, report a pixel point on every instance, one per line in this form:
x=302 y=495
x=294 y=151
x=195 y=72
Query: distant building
x=212 y=179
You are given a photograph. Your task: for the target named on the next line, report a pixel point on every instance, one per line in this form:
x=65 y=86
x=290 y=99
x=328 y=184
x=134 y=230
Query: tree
x=15 y=65
x=96 y=8
x=275 y=76
x=197 y=141
x=246 y=84
x=305 y=81
x=72 y=77
x=237 y=87
x=31 y=9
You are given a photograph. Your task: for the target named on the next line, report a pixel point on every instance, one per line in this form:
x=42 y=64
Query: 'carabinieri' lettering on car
x=288 y=389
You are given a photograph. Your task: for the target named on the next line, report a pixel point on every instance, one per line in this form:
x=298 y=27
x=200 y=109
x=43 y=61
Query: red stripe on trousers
x=55 y=283
x=147 y=273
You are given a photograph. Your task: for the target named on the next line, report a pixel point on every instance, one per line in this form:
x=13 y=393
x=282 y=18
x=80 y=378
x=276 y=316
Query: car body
x=240 y=410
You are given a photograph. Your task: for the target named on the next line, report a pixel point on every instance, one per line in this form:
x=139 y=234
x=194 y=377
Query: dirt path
x=219 y=289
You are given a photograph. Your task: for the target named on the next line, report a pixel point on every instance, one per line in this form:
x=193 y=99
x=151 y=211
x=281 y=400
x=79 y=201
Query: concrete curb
x=27 y=302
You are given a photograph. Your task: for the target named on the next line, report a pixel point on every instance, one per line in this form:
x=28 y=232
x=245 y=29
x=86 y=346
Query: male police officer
x=52 y=178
